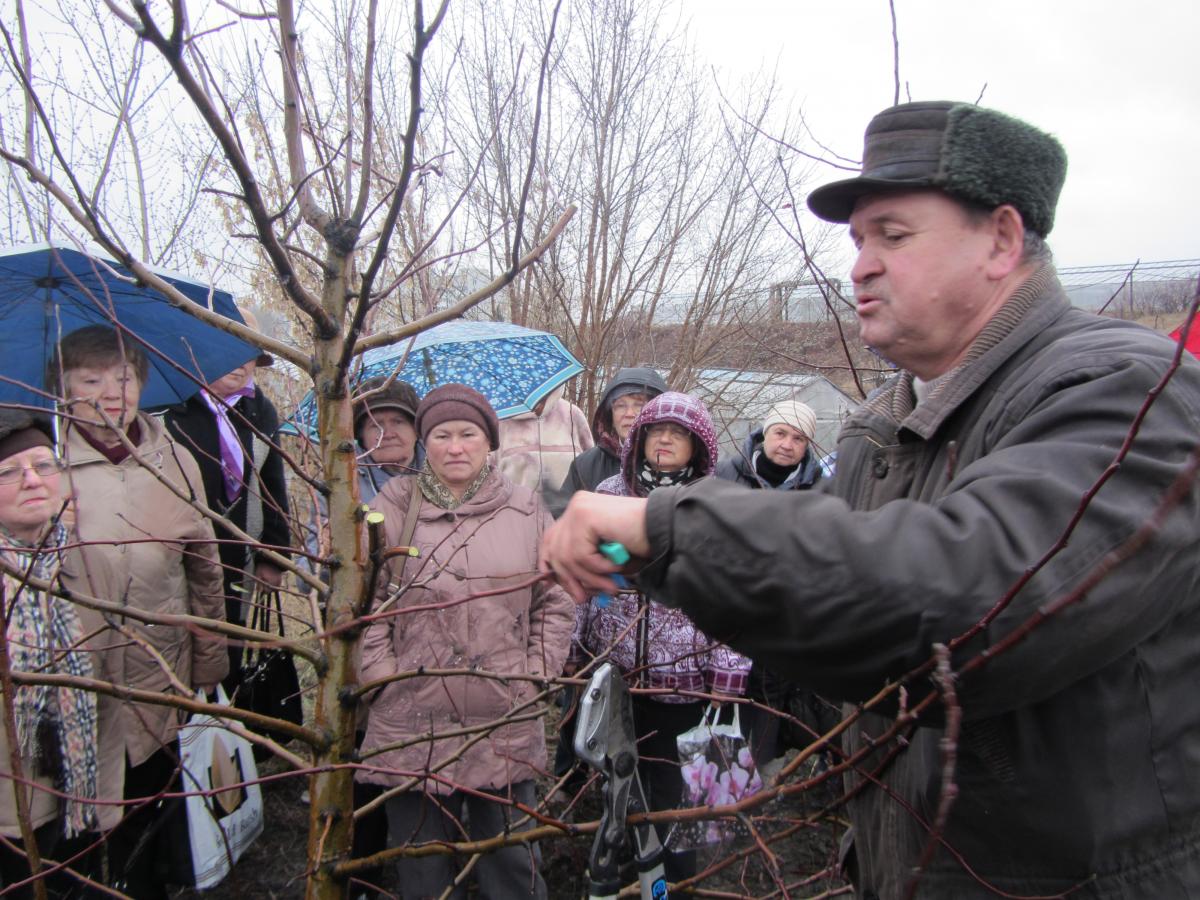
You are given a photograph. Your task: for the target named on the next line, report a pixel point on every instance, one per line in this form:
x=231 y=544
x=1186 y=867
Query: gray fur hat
x=975 y=154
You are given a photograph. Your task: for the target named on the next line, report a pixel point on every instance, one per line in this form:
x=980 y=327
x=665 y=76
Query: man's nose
x=866 y=266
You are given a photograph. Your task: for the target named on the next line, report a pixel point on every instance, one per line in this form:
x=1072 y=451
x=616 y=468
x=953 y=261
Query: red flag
x=1193 y=340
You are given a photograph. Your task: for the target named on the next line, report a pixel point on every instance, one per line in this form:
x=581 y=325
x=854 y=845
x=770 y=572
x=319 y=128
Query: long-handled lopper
x=606 y=741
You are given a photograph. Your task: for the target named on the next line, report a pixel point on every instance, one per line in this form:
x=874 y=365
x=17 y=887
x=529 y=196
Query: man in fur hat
x=1000 y=540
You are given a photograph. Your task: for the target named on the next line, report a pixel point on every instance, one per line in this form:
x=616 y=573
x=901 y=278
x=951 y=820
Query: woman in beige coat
x=62 y=732
x=162 y=552
x=477 y=533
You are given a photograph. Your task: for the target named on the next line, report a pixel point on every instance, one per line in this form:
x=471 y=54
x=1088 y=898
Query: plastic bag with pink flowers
x=717 y=770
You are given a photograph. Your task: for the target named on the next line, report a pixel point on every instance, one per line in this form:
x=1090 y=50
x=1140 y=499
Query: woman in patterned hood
x=673 y=441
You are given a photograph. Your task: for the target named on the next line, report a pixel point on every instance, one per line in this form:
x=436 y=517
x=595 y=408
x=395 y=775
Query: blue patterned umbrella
x=513 y=367
x=49 y=290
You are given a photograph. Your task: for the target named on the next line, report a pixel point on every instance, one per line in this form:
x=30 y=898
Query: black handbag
x=270 y=685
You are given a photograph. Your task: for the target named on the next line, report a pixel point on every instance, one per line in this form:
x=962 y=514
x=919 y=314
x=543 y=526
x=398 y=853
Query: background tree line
x=360 y=171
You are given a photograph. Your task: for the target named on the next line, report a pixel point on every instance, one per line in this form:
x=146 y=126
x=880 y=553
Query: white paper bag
x=220 y=826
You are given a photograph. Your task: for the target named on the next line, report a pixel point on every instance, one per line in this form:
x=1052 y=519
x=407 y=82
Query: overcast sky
x=1117 y=83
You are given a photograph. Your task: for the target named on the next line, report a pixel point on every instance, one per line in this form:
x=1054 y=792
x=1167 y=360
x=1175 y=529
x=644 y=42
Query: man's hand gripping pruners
x=605 y=740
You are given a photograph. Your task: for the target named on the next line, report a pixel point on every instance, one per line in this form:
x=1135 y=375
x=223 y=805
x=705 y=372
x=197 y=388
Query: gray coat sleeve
x=844 y=600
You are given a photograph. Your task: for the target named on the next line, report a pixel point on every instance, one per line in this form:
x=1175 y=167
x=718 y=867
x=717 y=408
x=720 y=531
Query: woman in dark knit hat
x=62 y=732
x=385 y=413
x=476 y=532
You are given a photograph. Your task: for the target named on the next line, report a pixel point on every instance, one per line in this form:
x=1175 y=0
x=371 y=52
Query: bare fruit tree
x=364 y=171
x=308 y=128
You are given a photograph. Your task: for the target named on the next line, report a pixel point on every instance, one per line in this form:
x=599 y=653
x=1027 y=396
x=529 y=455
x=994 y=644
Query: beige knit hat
x=792 y=412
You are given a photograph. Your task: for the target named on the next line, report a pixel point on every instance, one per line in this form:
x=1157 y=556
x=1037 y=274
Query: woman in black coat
x=231 y=428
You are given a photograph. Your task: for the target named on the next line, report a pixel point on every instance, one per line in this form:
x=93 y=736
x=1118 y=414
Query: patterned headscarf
x=681 y=409
x=54 y=724
x=441 y=496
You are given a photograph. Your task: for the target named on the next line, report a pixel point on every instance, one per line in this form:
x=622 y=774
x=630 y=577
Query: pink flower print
x=699 y=775
x=736 y=782
x=717 y=792
x=745 y=759
x=755 y=784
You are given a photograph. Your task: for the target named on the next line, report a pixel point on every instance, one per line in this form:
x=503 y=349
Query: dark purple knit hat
x=21 y=430
x=457 y=402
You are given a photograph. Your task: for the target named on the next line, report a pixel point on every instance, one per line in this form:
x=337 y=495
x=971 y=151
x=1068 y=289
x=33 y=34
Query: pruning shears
x=605 y=739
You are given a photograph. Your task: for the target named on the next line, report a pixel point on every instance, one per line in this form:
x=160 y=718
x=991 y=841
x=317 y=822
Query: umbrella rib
x=56 y=289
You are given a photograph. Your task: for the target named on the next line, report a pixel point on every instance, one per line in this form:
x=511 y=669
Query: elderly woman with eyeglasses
x=672 y=441
x=59 y=730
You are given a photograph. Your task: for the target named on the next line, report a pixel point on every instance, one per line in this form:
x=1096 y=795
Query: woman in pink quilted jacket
x=478 y=535
x=671 y=442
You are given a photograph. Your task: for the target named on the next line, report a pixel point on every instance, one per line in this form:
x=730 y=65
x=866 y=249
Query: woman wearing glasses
x=672 y=441
x=60 y=730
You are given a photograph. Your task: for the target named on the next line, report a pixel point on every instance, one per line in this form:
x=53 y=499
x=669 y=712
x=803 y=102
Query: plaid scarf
x=56 y=726
x=440 y=496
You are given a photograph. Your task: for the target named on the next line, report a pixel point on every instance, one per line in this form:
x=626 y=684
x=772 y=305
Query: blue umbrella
x=513 y=367
x=48 y=290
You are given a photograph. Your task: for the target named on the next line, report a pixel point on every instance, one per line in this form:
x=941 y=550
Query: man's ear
x=1008 y=241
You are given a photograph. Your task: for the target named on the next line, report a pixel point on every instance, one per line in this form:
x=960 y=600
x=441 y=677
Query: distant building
x=807 y=300
x=739 y=400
